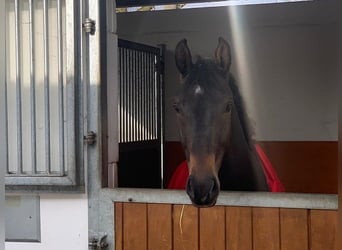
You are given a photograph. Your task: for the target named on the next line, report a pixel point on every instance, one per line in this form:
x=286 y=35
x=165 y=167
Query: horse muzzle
x=203 y=192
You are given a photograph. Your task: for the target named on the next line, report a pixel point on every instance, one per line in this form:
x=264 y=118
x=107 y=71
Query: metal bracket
x=90 y=138
x=89 y=25
x=96 y=244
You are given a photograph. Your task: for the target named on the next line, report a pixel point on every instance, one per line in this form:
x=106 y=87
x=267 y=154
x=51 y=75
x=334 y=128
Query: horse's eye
x=229 y=107
x=176 y=107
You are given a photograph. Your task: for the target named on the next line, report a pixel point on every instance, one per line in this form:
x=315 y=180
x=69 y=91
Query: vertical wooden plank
x=185 y=227
x=212 y=228
x=159 y=226
x=118 y=225
x=266 y=228
x=135 y=226
x=294 y=229
x=323 y=226
x=239 y=228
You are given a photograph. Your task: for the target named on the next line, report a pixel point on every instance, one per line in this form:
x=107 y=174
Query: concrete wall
x=284 y=56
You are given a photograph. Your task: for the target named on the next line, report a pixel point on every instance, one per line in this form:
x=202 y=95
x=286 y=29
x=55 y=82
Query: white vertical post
x=101 y=214
x=33 y=90
x=3 y=118
x=92 y=78
x=46 y=85
x=60 y=85
x=106 y=220
x=18 y=87
x=112 y=93
x=71 y=78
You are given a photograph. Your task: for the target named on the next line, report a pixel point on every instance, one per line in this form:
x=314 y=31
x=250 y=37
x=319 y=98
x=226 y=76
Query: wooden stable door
x=140 y=226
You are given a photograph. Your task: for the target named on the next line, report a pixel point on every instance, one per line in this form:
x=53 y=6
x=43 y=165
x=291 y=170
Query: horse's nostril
x=190 y=187
x=214 y=189
x=202 y=192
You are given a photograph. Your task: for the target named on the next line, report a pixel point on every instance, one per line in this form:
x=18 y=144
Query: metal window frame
x=73 y=178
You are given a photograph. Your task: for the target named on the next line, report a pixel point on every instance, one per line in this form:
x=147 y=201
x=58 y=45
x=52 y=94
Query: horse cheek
x=224 y=132
x=184 y=135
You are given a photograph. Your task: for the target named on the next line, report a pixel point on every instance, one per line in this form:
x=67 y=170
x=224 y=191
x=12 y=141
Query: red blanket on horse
x=180 y=175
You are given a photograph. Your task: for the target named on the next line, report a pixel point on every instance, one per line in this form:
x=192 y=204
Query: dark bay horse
x=213 y=128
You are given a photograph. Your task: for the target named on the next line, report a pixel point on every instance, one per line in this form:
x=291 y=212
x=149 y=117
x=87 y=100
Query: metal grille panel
x=139 y=93
x=35 y=87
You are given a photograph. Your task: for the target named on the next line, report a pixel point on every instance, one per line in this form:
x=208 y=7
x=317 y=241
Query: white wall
x=284 y=56
x=64 y=224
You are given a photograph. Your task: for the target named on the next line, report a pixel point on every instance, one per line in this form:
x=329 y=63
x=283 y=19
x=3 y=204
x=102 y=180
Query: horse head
x=205 y=108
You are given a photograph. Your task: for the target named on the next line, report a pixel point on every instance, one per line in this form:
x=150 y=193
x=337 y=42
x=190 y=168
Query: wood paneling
x=323 y=226
x=118 y=210
x=166 y=226
x=134 y=226
x=303 y=167
x=294 y=229
x=185 y=227
x=212 y=228
x=159 y=226
x=239 y=228
x=266 y=228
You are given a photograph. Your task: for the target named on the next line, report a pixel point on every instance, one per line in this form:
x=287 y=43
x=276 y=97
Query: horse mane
x=240 y=108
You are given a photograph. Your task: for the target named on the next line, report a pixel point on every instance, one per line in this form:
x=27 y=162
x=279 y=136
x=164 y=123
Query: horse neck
x=241 y=168
x=240 y=143
x=240 y=110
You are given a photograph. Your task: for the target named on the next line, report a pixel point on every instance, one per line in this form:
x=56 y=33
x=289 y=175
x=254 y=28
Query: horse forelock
x=206 y=74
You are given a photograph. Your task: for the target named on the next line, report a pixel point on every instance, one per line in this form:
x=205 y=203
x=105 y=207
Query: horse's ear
x=222 y=54
x=183 y=57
